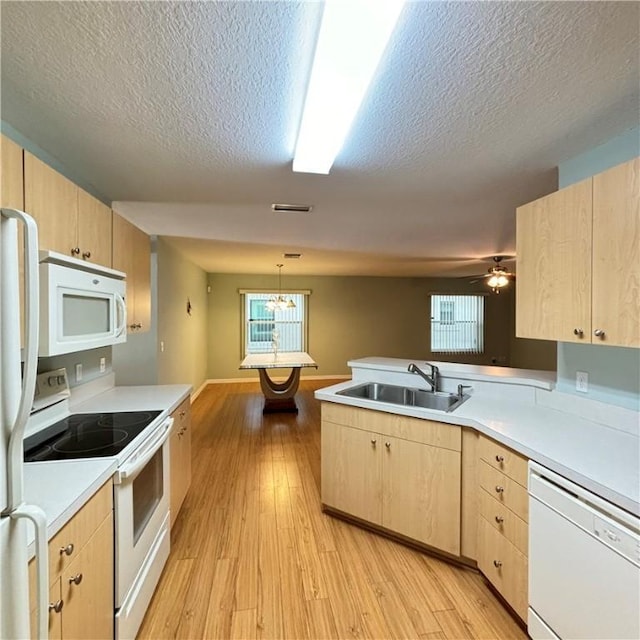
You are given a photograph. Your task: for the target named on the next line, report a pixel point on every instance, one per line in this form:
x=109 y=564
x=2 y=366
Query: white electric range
x=138 y=441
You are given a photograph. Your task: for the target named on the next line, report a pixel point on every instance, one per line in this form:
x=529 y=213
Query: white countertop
x=599 y=458
x=165 y=398
x=285 y=360
x=60 y=489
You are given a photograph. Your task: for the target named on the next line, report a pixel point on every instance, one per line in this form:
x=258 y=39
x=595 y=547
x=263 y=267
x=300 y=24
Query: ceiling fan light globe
x=493 y=281
x=502 y=281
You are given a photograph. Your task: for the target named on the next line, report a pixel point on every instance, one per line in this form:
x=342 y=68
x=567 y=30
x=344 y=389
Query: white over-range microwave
x=82 y=305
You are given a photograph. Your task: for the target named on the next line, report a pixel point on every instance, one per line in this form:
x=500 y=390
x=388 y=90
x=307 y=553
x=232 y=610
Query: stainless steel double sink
x=406 y=396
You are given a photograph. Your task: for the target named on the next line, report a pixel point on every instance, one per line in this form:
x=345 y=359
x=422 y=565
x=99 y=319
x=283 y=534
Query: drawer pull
x=388 y=445
x=373 y=441
x=499 y=519
x=68 y=550
x=56 y=606
x=499 y=489
x=77 y=579
x=497 y=563
x=500 y=459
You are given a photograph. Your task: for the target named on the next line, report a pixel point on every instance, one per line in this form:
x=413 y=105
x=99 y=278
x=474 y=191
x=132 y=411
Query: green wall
x=183 y=335
x=354 y=317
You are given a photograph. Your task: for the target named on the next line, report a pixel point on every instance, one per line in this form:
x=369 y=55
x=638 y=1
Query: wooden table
x=279 y=396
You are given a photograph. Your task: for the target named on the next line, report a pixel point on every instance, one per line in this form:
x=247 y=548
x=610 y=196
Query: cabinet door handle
x=499 y=489
x=388 y=445
x=77 y=579
x=183 y=414
x=499 y=458
x=56 y=606
x=86 y=254
x=75 y=251
x=373 y=441
x=499 y=519
x=599 y=333
x=497 y=563
x=68 y=550
x=578 y=332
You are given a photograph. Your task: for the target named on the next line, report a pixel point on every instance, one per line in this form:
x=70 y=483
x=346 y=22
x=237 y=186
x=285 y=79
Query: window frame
x=306 y=293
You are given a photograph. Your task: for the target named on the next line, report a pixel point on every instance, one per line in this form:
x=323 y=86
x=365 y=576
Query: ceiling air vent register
x=292 y=208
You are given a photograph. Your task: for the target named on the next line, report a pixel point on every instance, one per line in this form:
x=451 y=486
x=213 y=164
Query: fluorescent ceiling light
x=353 y=37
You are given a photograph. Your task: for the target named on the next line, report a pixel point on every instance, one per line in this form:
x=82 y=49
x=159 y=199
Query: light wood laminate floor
x=253 y=556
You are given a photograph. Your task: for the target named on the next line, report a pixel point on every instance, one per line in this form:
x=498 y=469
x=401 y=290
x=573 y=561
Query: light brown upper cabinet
x=616 y=256
x=579 y=262
x=12 y=197
x=70 y=221
x=132 y=254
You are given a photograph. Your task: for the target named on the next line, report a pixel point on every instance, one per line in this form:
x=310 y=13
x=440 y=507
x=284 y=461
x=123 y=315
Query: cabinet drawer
x=503 y=459
x=504 y=490
x=79 y=529
x=504 y=566
x=182 y=415
x=505 y=521
x=55 y=624
x=437 y=434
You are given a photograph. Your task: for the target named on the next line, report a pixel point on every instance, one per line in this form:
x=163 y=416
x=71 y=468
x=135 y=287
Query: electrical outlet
x=582 y=381
x=103 y=365
x=78 y=372
x=162 y=346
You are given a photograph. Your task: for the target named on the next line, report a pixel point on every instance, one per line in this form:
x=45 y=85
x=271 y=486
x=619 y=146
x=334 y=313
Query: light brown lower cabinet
x=409 y=487
x=180 y=451
x=504 y=566
x=81 y=578
x=502 y=524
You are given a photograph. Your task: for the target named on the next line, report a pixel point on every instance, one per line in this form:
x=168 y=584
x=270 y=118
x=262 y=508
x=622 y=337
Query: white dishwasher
x=584 y=563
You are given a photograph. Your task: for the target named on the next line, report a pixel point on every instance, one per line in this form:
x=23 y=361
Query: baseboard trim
x=200 y=389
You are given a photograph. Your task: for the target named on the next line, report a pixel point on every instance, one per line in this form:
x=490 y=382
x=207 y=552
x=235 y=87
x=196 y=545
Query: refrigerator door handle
x=31 y=307
x=37 y=516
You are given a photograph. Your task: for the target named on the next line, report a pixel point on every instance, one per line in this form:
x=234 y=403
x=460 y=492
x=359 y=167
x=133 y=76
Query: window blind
x=457 y=323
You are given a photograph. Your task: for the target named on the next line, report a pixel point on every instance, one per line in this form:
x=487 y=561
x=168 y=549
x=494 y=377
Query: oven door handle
x=130 y=470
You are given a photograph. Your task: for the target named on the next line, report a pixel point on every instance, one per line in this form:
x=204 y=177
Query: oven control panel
x=51 y=387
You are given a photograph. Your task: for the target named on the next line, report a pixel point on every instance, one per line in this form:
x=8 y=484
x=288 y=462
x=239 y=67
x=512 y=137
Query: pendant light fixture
x=279 y=302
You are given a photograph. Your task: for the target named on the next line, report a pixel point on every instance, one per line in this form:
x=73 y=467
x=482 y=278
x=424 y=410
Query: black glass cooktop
x=87 y=435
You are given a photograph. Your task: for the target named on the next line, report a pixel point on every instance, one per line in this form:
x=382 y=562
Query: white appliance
x=16 y=396
x=139 y=442
x=142 y=528
x=81 y=305
x=584 y=563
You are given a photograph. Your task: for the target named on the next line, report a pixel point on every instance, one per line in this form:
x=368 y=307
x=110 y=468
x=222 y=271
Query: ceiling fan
x=497 y=276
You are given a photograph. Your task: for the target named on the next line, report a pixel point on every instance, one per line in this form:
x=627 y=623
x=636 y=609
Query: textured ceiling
x=185 y=113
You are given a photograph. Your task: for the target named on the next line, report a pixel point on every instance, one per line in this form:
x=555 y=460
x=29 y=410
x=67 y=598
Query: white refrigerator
x=17 y=384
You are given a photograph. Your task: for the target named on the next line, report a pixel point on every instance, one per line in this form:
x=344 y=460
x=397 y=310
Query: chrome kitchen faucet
x=431 y=379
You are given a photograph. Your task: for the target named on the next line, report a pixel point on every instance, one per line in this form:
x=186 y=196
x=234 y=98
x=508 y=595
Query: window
x=457 y=324
x=259 y=323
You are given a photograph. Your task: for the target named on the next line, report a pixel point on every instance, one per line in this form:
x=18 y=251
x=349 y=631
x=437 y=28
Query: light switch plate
x=78 y=372
x=582 y=381
x=103 y=365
